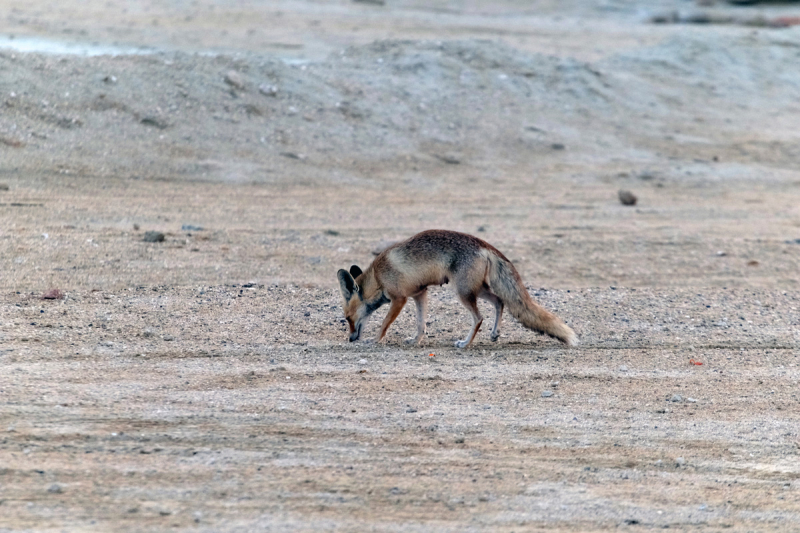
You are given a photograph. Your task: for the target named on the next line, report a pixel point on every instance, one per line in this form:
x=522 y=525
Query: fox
x=436 y=257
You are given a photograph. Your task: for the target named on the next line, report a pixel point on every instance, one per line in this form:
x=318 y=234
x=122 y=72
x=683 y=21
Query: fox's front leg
x=394 y=310
x=421 y=300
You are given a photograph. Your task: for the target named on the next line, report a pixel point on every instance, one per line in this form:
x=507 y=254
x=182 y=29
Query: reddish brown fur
x=435 y=257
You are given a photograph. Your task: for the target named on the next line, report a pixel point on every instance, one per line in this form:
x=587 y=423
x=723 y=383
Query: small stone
x=680 y=461
x=647 y=176
x=555 y=384
x=156 y=122
x=168 y=338
x=623 y=368
x=153 y=236
x=53 y=294
x=110 y=79
x=459 y=440
x=627 y=197
x=411 y=409
x=691 y=400
x=136 y=227
x=148 y=333
x=362 y=362
x=55 y=488
x=676 y=398
x=4 y=187
x=721 y=253
x=558 y=146
x=449 y=159
x=235 y=80
x=191 y=227
x=268 y=90
x=547 y=393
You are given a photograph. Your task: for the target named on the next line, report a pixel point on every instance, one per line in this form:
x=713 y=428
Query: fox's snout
x=355 y=333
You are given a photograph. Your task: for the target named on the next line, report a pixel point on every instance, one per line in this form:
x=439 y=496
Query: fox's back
x=430 y=257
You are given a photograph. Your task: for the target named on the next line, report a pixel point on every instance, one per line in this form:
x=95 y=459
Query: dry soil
x=205 y=383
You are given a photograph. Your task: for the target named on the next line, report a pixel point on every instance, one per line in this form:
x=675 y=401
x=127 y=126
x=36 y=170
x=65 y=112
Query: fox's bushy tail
x=506 y=283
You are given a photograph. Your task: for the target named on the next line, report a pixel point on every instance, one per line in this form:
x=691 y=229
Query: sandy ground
x=205 y=383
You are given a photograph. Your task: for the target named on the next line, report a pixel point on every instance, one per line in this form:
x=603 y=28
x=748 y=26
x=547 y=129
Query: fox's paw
x=461 y=344
x=412 y=340
x=495 y=336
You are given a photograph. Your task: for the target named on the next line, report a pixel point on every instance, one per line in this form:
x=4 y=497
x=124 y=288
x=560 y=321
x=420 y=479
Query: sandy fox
x=435 y=257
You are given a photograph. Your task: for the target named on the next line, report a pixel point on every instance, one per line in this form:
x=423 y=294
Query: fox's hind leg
x=394 y=310
x=486 y=294
x=471 y=303
x=421 y=299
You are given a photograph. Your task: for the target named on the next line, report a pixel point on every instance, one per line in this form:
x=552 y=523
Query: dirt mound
x=250 y=118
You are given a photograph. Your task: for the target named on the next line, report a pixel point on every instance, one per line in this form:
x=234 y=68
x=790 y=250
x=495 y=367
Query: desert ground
x=204 y=382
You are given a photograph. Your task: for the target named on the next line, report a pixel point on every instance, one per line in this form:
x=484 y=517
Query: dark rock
x=627 y=197
x=155 y=122
x=153 y=236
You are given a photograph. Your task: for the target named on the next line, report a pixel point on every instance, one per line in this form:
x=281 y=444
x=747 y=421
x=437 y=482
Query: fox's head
x=355 y=310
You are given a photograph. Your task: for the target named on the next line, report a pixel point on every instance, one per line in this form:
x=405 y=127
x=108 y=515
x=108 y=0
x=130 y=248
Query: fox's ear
x=355 y=271
x=346 y=283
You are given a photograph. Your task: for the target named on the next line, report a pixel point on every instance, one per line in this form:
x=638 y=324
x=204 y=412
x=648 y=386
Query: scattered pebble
x=136 y=227
x=680 y=461
x=623 y=368
x=411 y=409
x=110 y=79
x=148 y=333
x=168 y=338
x=191 y=227
x=235 y=80
x=558 y=146
x=720 y=253
x=12 y=142
x=676 y=398
x=449 y=159
x=153 y=236
x=362 y=362
x=627 y=197
x=547 y=393
x=268 y=90
x=53 y=294
x=4 y=186
x=154 y=121
x=691 y=400
x=55 y=488
x=646 y=176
